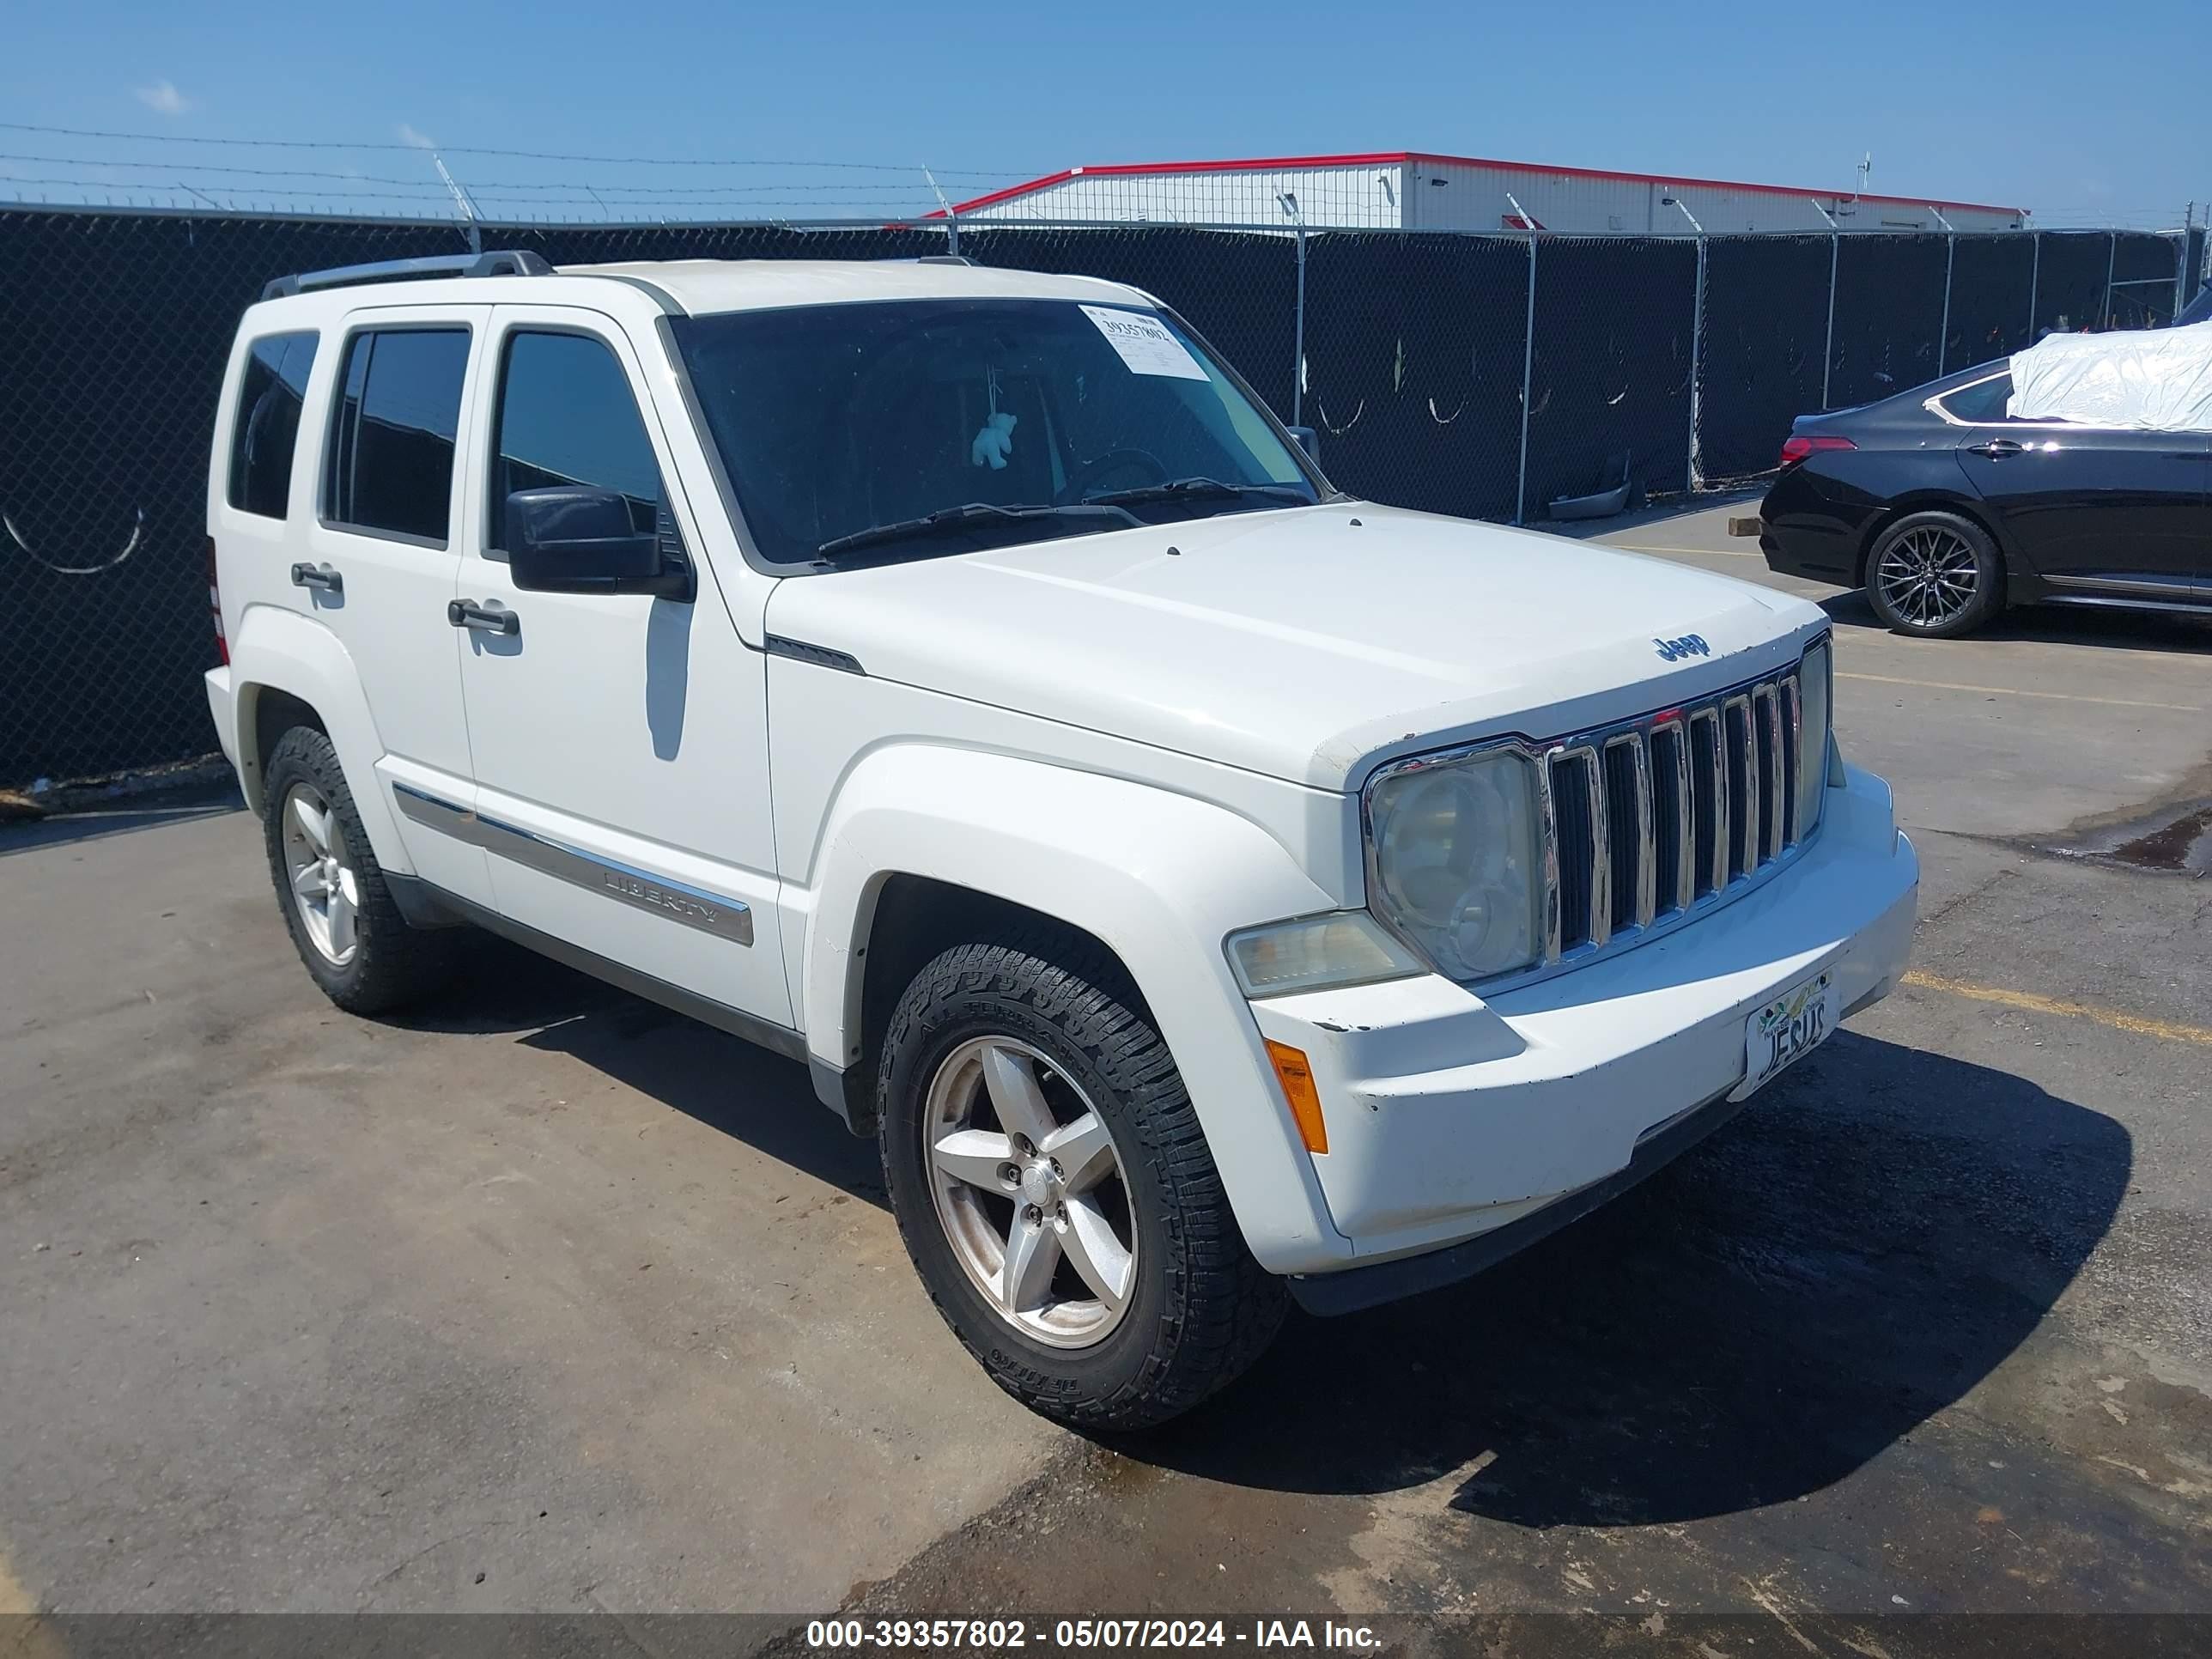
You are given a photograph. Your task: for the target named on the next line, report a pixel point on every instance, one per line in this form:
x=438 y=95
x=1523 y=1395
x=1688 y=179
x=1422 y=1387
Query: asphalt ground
x=553 y=1303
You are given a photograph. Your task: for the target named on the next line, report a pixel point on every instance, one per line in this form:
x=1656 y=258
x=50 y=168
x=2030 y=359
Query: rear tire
x=343 y=922
x=1935 y=575
x=1116 y=1186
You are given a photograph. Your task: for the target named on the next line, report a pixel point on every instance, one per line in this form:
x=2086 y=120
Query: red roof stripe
x=1393 y=158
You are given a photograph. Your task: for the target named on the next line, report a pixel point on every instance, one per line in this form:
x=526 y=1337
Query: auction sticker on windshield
x=1785 y=1030
x=1144 y=344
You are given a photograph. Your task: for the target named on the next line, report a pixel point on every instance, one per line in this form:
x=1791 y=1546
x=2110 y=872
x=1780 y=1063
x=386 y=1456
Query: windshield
x=904 y=427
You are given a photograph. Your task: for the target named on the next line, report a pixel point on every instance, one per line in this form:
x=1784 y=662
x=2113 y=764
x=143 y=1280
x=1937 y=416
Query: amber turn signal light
x=1296 y=1079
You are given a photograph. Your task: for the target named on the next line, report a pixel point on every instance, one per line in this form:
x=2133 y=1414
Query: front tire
x=1935 y=575
x=343 y=921
x=1055 y=1191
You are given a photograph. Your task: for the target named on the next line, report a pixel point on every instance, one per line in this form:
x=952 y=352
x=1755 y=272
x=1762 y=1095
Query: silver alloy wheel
x=1030 y=1192
x=1929 y=576
x=324 y=884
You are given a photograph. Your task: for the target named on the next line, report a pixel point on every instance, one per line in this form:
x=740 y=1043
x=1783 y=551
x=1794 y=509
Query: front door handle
x=485 y=618
x=320 y=576
x=1996 y=448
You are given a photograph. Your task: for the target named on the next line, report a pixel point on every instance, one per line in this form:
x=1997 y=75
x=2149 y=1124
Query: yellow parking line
x=23 y=1634
x=2028 y=1002
x=14 y=1600
x=2015 y=692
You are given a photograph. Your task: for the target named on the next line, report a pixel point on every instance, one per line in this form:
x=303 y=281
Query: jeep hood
x=1308 y=644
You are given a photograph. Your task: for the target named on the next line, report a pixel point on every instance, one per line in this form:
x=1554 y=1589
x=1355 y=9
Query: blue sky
x=2096 y=114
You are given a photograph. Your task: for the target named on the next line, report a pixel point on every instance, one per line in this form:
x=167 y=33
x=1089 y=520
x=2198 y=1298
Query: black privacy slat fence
x=1434 y=380
x=1609 y=386
x=1414 y=349
x=1238 y=290
x=1889 y=316
x=1762 y=354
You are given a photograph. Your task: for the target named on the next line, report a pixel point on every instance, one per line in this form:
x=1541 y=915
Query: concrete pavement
x=555 y=1301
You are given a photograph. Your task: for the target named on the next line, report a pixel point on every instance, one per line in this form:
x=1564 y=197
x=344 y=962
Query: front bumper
x=1450 y=1117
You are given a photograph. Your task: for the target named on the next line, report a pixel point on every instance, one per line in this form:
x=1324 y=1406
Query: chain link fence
x=1765 y=357
x=1415 y=351
x=1482 y=376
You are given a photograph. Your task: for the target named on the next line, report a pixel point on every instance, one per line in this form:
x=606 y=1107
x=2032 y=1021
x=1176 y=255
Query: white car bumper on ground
x=1461 y=1129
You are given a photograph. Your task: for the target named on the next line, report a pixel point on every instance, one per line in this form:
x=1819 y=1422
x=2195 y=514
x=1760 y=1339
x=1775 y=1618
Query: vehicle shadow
x=1854 y=1252
x=123 y=818
x=2057 y=624
x=732 y=1086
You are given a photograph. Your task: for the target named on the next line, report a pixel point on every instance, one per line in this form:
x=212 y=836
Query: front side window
x=841 y=426
x=390 y=467
x=271 y=391
x=566 y=416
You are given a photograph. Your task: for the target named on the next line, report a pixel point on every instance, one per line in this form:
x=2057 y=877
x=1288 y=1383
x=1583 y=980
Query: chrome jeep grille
x=1662 y=815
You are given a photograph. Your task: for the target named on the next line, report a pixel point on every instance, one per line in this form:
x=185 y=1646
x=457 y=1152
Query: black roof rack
x=506 y=263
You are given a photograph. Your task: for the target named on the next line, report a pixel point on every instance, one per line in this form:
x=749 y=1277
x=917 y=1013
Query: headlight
x=1813 y=701
x=1458 y=864
x=1316 y=953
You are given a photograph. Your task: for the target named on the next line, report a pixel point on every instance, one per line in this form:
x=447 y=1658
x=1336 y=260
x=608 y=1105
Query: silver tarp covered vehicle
x=2153 y=380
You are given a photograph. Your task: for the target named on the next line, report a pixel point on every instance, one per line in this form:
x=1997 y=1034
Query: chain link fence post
x=1298 y=337
x=462 y=200
x=1528 y=377
x=1828 y=349
x=2181 y=256
x=1943 y=328
x=2034 y=280
x=1950 y=265
x=1697 y=352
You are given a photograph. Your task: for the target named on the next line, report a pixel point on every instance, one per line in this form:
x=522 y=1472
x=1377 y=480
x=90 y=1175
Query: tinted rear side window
x=391 y=444
x=1982 y=404
x=271 y=395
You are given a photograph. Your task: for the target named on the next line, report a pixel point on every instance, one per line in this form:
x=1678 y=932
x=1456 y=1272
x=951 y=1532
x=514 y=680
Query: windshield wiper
x=967 y=513
x=1198 y=489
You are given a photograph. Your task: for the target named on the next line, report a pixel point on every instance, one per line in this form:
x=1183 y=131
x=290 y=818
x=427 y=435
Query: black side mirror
x=1308 y=439
x=573 y=538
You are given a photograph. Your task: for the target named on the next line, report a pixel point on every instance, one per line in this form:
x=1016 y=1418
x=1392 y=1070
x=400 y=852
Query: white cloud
x=163 y=98
x=421 y=141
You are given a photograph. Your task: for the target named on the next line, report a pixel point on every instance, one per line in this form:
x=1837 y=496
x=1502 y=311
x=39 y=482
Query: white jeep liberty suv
x=1209 y=889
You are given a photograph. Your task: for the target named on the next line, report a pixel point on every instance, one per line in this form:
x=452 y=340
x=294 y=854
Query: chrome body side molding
x=693 y=906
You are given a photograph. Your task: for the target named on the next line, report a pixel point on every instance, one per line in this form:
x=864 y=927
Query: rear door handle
x=485 y=618
x=1996 y=448
x=321 y=576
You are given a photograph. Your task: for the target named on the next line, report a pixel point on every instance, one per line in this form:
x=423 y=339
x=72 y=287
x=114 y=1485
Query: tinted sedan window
x=1982 y=404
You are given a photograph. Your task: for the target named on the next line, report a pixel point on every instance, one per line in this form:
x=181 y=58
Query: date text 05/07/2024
x=1084 y=1634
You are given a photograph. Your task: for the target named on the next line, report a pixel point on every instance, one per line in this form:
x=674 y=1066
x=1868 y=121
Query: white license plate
x=1787 y=1030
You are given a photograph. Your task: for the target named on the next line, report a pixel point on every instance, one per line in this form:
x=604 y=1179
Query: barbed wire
x=476 y=186
x=891 y=188
x=2097 y=217
x=475 y=149
x=165 y=171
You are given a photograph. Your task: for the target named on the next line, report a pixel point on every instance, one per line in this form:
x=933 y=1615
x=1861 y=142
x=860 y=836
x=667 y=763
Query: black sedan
x=1946 y=509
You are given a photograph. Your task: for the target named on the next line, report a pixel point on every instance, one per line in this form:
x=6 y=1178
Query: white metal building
x=1405 y=190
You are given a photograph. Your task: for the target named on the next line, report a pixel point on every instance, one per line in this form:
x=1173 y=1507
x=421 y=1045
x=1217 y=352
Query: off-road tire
x=1201 y=1309
x=393 y=965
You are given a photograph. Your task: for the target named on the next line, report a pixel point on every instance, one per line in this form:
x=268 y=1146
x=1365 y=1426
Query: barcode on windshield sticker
x=1144 y=344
